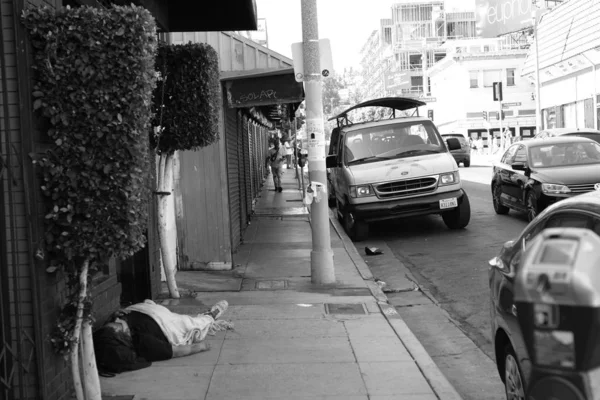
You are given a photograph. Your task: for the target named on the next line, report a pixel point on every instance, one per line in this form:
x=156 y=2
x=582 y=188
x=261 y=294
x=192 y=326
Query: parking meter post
x=557 y=298
x=321 y=257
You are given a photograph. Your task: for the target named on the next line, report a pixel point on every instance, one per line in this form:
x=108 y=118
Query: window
x=570 y=220
x=474 y=78
x=510 y=77
x=491 y=76
x=521 y=155
x=510 y=153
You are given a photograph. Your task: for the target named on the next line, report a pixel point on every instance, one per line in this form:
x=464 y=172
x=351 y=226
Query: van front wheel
x=460 y=216
x=356 y=229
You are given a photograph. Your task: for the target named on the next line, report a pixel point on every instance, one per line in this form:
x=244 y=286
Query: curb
x=434 y=376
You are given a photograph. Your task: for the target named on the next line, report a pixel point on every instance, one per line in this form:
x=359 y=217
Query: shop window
x=474 y=79
x=510 y=77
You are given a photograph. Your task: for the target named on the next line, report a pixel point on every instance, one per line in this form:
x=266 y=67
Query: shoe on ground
x=219 y=308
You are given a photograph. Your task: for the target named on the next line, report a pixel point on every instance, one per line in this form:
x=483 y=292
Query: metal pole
x=321 y=257
x=538 y=100
x=502 y=141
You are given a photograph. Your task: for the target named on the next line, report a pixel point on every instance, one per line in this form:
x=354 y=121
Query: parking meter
x=557 y=295
x=302 y=158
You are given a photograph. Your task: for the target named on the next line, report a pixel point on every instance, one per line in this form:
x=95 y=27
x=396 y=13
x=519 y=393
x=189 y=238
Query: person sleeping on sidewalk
x=142 y=333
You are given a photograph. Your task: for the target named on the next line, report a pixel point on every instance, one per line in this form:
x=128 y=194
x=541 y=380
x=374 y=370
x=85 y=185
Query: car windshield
x=589 y=135
x=564 y=154
x=392 y=141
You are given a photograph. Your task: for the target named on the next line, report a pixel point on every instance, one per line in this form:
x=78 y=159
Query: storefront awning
x=259 y=88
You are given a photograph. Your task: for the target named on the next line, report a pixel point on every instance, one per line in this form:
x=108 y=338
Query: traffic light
x=484 y=115
x=497 y=91
x=430 y=114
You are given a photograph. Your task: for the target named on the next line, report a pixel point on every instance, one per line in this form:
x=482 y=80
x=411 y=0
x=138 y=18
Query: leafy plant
x=94 y=78
x=187 y=97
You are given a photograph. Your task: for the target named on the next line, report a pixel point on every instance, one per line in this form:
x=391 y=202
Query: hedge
x=187 y=98
x=94 y=75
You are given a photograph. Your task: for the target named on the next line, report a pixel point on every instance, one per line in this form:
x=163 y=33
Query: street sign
x=325 y=58
x=428 y=99
x=507 y=105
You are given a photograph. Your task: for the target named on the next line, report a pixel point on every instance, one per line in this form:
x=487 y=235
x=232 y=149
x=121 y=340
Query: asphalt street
x=451 y=270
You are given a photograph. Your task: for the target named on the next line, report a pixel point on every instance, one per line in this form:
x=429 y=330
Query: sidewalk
x=485 y=159
x=292 y=339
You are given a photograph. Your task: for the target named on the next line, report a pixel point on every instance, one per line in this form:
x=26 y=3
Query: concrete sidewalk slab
x=291 y=339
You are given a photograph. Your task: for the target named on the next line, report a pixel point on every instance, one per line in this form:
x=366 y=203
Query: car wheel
x=467 y=163
x=497 y=202
x=459 y=217
x=513 y=380
x=532 y=206
x=356 y=229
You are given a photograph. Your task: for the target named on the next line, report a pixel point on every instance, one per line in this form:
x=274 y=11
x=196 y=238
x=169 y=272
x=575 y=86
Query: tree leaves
x=186 y=98
x=94 y=79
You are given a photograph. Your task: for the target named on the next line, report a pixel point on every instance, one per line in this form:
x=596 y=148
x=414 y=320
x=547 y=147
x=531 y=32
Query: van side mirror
x=453 y=144
x=331 y=161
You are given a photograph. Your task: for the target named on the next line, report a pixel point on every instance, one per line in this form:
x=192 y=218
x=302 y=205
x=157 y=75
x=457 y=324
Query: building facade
x=461 y=89
x=568 y=42
x=396 y=56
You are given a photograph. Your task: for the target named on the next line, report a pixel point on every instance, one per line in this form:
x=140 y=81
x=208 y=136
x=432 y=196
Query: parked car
x=533 y=174
x=393 y=168
x=512 y=359
x=462 y=155
x=556 y=132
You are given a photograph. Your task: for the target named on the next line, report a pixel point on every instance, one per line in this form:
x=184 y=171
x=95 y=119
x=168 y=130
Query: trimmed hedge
x=187 y=98
x=94 y=77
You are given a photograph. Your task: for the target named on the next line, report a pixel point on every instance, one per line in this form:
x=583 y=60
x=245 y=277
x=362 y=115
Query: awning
x=258 y=88
x=202 y=16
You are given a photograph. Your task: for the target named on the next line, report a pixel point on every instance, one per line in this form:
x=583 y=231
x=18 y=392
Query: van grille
x=583 y=188
x=408 y=187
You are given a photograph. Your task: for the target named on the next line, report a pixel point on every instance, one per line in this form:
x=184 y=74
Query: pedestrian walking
x=275 y=159
x=289 y=151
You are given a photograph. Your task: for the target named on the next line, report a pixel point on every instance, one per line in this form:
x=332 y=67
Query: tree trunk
x=74 y=355
x=90 y=370
x=165 y=182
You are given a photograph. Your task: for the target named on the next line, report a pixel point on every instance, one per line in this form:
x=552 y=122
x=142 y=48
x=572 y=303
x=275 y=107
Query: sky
x=346 y=23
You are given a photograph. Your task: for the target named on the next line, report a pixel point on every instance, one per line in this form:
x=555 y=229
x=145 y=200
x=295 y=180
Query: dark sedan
x=589 y=133
x=533 y=174
x=512 y=359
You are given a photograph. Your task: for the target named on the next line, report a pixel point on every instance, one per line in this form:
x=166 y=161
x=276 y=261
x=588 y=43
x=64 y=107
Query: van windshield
x=405 y=139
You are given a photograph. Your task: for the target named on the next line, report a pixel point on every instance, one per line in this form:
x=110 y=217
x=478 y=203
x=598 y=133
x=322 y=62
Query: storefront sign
x=497 y=17
x=264 y=90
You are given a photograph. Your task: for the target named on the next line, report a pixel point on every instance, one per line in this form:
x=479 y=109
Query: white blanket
x=179 y=329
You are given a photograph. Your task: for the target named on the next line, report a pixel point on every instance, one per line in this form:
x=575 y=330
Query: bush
x=94 y=77
x=187 y=98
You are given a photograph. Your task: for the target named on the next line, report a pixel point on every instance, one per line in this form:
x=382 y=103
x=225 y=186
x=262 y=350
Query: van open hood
x=402 y=168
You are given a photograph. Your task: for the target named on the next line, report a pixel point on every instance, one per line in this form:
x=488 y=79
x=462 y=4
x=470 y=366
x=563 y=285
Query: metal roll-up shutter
x=254 y=155
x=242 y=131
x=231 y=145
x=247 y=169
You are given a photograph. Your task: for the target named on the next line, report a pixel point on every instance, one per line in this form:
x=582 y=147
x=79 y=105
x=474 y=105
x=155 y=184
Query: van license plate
x=448 y=203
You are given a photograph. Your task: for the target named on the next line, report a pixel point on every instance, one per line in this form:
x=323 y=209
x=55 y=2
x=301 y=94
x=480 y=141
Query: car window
x=520 y=155
x=570 y=220
x=509 y=154
x=564 y=154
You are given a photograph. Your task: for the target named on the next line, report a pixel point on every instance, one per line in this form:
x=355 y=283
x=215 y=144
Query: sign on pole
x=325 y=59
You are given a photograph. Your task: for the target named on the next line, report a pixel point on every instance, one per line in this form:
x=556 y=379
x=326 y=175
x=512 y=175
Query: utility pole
x=321 y=257
x=538 y=84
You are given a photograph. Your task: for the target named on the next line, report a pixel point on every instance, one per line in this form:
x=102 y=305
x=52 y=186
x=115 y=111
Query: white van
x=393 y=168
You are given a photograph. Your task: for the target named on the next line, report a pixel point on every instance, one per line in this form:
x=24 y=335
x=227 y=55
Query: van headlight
x=361 y=191
x=551 y=188
x=450 y=178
